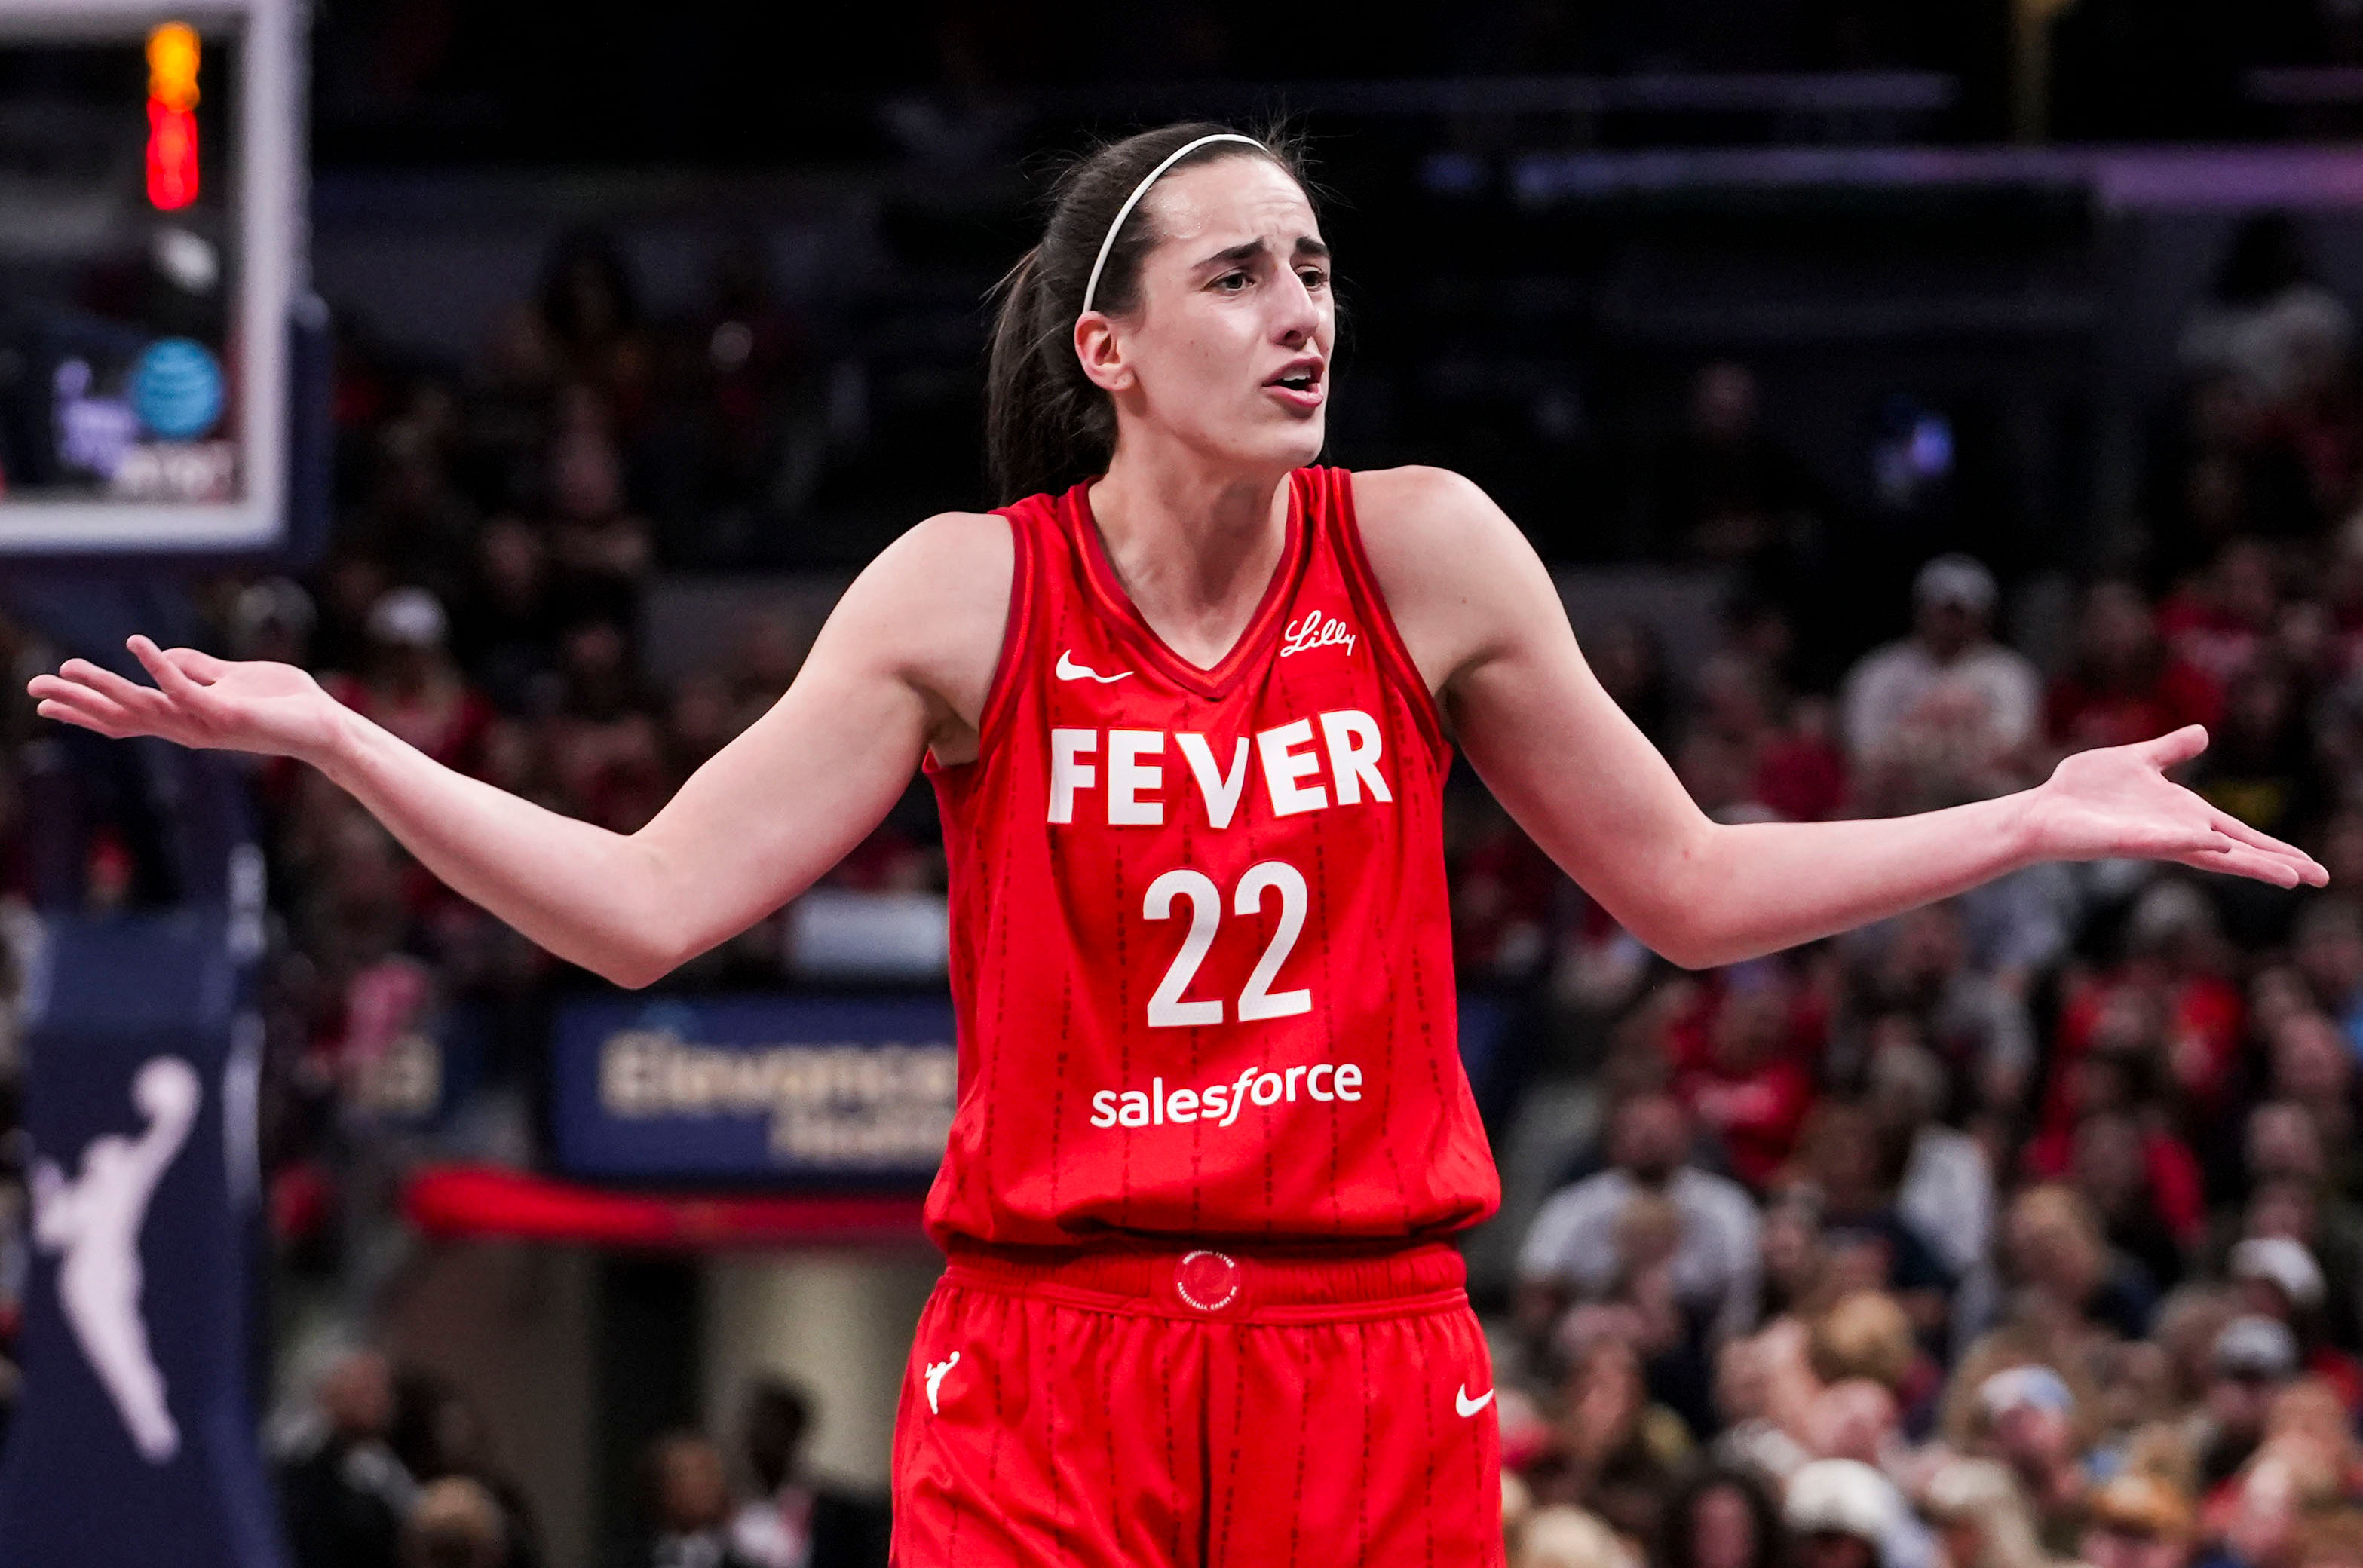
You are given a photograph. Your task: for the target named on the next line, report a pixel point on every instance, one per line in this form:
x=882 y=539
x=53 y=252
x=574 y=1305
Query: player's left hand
x=2117 y=801
x=273 y=710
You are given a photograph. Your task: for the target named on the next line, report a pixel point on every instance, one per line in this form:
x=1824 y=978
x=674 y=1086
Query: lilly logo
x=1316 y=630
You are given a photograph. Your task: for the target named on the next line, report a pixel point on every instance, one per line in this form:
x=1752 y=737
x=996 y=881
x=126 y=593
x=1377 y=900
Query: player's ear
x=1101 y=352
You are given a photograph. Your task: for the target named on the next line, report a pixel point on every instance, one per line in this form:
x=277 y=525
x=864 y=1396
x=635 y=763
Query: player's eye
x=1232 y=282
x=1315 y=279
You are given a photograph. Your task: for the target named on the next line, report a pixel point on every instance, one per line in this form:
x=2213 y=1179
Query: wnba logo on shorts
x=1221 y=1103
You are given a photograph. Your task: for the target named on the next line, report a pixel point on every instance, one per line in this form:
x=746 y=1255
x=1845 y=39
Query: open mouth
x=1300 y=380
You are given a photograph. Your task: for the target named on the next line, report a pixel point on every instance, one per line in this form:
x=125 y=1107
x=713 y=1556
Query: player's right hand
x=251 y=705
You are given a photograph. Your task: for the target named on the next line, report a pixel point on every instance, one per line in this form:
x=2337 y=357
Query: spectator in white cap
x=407 y=618
x=2278 y=1278
x=411 y=684
x=2030 y=1416
x=2294 y=1194
x=2254 y=1357
x=1840 y=1514
x=1949 y=683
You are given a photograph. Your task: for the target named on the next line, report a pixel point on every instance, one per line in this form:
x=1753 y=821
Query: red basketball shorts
x=1163 y=1409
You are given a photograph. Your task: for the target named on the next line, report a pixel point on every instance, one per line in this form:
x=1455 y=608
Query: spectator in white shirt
x=1570 y=1251
x=1948 y=689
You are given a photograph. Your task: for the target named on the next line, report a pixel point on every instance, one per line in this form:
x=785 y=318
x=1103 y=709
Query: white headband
x=1124 y=211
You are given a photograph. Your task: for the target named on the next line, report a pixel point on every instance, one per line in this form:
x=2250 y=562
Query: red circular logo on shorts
x=1208 y=1281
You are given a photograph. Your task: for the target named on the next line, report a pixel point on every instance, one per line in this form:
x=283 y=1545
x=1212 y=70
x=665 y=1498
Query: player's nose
x=1296 y=314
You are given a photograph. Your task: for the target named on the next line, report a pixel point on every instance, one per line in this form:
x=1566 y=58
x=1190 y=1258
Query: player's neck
x=1194 y=547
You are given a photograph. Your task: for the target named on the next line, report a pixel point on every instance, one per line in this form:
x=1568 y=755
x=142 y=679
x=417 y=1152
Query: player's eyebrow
x=1247 y=250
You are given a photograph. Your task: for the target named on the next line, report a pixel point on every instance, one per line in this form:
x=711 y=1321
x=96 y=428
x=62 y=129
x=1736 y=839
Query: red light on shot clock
x=172 y=56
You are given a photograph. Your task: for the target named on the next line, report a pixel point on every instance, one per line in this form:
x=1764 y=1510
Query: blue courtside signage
x=761 y=1088
x=781 y=1089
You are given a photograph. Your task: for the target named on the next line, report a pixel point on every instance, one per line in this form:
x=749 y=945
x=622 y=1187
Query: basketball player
x=1187 y=702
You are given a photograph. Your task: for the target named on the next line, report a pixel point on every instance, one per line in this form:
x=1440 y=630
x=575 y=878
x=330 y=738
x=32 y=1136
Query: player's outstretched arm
x=1486 y=626
x=903 y=664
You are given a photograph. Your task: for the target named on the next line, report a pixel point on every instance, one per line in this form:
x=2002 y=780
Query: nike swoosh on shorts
x=1468 y=1407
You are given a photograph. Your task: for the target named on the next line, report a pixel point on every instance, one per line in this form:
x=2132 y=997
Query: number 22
x=1257 y=1001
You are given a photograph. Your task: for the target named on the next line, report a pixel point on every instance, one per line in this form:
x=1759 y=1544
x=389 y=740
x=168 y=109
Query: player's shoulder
x=1457 y=577
x=952 y=558
x=1416 y=496
x=1421 y=509
x=1429 y=526
x=934 y=600
x=955 y=544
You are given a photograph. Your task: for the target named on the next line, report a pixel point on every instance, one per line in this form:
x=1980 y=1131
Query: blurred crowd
x=2025 y=1229
x=388 y=1466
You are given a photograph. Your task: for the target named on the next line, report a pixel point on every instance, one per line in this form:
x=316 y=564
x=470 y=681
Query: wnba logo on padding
x=93 y=1220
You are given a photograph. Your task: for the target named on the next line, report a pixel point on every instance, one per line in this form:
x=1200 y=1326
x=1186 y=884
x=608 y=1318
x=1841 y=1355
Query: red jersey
x=1202 y=950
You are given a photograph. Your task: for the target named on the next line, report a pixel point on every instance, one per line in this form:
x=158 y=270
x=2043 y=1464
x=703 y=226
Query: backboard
x=152 y=224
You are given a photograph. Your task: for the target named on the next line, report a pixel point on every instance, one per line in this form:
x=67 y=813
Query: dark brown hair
x=1047 y=425
x=1678 y=1520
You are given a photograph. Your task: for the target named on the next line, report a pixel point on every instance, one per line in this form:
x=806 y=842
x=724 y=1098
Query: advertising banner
x=773 y=1088
x=781 y=1089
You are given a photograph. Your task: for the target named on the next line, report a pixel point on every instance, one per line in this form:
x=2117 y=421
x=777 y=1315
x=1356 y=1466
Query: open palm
x=2117 y=801
x=198 y=700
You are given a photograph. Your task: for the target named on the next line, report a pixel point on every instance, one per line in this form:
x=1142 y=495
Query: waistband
x=1237 y=1285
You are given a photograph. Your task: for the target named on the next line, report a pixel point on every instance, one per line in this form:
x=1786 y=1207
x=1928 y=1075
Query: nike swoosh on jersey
x=1070 y=670
x=1468 y=1407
